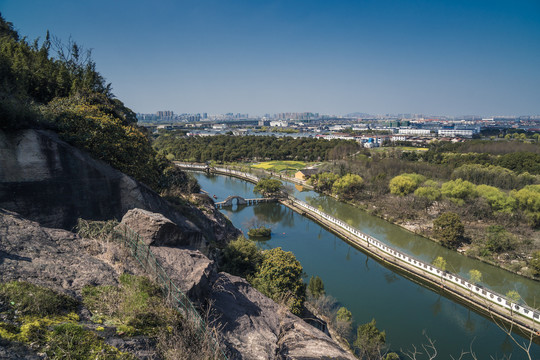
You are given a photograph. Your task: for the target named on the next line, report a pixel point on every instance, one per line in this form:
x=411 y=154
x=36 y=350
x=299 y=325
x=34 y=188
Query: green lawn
x=279 y=166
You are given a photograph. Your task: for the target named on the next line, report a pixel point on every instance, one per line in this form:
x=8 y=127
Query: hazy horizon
x=451 y=58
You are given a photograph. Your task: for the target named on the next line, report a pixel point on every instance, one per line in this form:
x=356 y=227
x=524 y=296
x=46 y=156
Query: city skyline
x=431 y=57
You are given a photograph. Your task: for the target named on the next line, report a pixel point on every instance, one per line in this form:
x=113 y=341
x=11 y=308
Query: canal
x=406 y=310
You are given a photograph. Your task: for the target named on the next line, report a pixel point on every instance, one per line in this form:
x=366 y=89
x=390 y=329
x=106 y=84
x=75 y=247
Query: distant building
x=415 y=132
x=468 y=133
x=279 y=123
x=304 y=174
x=165 y=114
x=264 y=122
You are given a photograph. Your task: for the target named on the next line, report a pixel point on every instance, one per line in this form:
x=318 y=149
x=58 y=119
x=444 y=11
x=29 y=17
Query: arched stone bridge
x=229 y=201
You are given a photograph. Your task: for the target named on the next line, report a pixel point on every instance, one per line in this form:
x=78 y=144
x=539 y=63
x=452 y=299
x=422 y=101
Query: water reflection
x=369 y=290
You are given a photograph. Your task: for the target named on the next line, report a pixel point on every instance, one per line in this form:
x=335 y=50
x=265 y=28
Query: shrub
x=534 y=263
x=449 y=229
x=260 y=231
x=241 y=257
x=499 y=240
x=280 y=277
x=348 y=186
x=458 y=190
x=429 y=193
x=405 y=184
x=496 y=198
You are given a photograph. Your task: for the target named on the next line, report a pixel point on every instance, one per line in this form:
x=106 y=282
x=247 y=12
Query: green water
x=407 y=311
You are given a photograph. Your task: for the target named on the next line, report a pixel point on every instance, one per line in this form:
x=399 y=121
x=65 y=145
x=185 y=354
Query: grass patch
x=95 y=229
x=72 y=341
x=46 y=321
x=135 y=307
x=280 y=165
x=31 y=300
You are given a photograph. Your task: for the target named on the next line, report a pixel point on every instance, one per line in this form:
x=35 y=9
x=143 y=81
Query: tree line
x=227 y=148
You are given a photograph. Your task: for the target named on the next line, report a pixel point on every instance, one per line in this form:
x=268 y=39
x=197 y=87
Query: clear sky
x=442 y=57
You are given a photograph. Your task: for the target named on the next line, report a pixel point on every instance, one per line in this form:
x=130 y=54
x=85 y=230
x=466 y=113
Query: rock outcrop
x=49 y=181
x=252 y=325
x=53 y=258
x=157 y=230
x=255 y=327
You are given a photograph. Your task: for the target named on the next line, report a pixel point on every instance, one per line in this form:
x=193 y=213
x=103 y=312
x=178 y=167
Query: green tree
x=268 y=187
x=458 y=190
x=348 y=186
x=323 y=182
x=369 y=341
x=440 y=263
x=405 y=184
x=497 y=199
x=449 y=229
x=534 y=263
x=316 y=287
x=343 y=314
x=429 y=193
x=241 y=257
x=499 y=240
x=475 y=276
x=514 y=297
x=280 y=277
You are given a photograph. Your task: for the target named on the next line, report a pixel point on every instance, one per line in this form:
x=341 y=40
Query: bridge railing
x=487 y=294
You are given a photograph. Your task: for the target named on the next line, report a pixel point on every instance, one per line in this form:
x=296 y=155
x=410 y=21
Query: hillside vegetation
x=55 y=86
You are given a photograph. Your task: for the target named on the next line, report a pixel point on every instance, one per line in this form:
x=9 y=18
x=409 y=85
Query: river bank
x=492 y=304
x=407 y=310
x=512 y=262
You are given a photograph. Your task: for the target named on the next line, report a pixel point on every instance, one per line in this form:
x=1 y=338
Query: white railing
x=482 y=292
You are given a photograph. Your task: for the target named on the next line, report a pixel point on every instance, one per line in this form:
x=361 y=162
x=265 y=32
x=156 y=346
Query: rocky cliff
x=50 y=184
x=252 y=325
x=46 y=180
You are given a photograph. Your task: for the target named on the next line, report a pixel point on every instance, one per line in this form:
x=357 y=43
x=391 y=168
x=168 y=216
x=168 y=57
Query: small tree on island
x=268 y=187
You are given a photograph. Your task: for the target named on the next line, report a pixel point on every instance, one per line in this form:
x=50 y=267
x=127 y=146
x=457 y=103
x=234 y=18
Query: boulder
x=157 y=230
x=255 y=327
x=189 y=269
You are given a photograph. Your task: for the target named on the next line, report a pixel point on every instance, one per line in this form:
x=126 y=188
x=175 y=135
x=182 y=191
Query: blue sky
x=252 y=56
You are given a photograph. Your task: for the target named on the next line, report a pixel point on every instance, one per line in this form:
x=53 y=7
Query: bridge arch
x=229 y=201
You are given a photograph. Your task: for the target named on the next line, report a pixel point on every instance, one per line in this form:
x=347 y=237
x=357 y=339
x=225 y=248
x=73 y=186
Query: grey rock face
x=252 y=325
x=189 y=269
x=15 y=351
x=52 y=258
x=44 y=179
x=255 y=327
